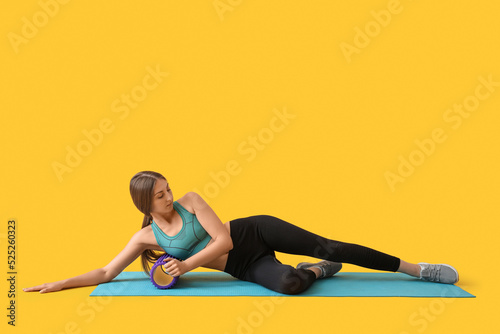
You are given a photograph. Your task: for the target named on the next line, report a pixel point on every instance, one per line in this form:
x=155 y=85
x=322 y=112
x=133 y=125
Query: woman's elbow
x=109 y=275
x=224 y=242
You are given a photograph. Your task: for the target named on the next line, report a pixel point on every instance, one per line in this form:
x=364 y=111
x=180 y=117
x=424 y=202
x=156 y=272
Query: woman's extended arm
x=132 y=250
x=91 y=278
x=214 y=227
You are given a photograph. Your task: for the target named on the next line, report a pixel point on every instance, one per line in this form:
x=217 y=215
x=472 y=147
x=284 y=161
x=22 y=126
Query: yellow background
x=324 y=171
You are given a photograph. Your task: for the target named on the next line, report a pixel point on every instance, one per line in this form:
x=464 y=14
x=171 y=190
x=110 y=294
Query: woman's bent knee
x=295 y=281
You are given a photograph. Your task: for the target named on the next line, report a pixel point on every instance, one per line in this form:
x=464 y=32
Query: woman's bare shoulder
x=142 y=235
x=187 y=201
x=146 y=237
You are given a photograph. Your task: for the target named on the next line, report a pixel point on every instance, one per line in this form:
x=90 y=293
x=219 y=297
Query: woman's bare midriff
x=220 y=262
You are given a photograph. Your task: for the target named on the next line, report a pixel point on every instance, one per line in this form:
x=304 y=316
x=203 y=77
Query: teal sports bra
x=191 y=239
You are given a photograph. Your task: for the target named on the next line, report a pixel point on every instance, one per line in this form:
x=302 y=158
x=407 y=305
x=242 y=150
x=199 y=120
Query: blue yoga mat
x=131 y=283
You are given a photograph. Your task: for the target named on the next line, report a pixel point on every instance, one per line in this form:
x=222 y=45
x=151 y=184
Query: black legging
x=255 y=239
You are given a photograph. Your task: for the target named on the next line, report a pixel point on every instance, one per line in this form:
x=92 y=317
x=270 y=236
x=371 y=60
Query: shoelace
x=434 y=273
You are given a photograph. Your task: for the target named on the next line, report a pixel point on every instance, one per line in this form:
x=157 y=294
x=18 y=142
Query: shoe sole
x=446 y=265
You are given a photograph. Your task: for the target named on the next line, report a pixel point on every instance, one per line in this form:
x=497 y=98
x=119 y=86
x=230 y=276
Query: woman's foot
x=440 y=273
x=326 y=268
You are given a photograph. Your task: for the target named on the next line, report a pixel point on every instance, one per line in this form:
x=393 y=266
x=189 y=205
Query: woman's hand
x=46 y=287
x=175 y=267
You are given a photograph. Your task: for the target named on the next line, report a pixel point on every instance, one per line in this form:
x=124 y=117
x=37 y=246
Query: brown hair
x=141 y=189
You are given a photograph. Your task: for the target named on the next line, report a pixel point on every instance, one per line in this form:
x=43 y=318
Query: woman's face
x=162 y=197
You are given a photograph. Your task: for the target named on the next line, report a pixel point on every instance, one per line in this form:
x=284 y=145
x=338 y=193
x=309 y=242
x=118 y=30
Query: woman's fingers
x=46 y=287
x=34 y=288
x=169 y=262
x=171 y=266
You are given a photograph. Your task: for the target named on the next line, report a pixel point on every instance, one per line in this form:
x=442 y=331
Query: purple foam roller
x=159 y=277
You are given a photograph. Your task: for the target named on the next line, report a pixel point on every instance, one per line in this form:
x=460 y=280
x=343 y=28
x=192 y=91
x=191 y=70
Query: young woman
x=245 y=247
